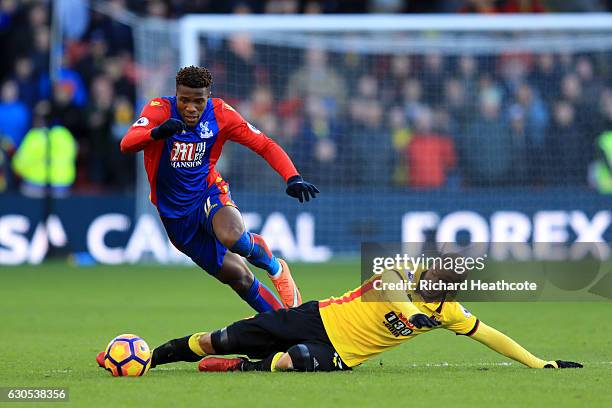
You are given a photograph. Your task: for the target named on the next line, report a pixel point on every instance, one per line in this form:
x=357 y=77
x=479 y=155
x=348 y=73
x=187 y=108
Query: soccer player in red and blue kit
x=182 y=137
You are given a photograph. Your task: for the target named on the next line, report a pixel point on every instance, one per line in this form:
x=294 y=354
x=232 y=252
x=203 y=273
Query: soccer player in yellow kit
x=341 y=333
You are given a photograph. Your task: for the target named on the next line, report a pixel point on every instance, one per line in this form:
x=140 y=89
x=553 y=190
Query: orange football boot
x=286 y=287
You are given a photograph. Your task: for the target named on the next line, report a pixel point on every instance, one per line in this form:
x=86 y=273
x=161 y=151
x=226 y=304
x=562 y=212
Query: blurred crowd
x=425 y=121
x=421 y=121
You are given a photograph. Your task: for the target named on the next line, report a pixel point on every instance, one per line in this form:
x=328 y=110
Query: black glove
x=300 y=189
x=167 y=129
x=422 y=320
x=564 y=364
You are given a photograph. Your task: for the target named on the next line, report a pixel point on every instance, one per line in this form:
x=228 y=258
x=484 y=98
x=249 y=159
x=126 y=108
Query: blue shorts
x=193 y=234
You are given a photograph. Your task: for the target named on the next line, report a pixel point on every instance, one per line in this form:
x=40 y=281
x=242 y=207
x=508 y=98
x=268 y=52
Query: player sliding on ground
x=182 y=137
x=341 y=333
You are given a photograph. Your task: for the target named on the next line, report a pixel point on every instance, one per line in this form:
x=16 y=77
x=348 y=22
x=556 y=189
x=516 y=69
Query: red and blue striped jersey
x=182 y=167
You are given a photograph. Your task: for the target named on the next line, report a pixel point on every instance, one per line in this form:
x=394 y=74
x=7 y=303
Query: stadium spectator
x=319 y=139
x=433 y=77
x=570 y=157
x=545 y=77
x=46 y=159
x=260 y=111
x=64 y=110
x=122 y=164
x=430 y=156
x=458 y=103
x=513 y=69
x=317 y=78
x=567 y=62
x=14 y=116
x=94 y=60
x=571 y=91
x=8 y=14
x=313 y=7
x=367 y=140
x=400 y=71
x=535 y=117
x=486 y=146
x=521 y=164
x=28 y=25
x=98 y=125
x=117 y=34
x=400 y=137
x=30 y=86
x=467 y=68
x=40 y=51
x=157 y=8
x=120 y=69
x=412 y=97
x=240 y=65
x=591 y=85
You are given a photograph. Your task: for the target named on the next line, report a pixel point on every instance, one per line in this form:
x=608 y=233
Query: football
x=127 y=355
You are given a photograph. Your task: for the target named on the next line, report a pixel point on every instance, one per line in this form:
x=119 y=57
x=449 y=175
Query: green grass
x=55 y=318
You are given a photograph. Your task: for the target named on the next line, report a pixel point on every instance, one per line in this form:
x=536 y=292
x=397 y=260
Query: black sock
x=174 y=351
x=262 y=365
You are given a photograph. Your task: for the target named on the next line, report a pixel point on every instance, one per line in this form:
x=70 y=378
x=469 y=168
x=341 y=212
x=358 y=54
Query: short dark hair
x=194 y=77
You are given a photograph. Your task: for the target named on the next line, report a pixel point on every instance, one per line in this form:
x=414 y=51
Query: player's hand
x=422 y=320
x=167 y=129
x=563 y=364
x=302 y=190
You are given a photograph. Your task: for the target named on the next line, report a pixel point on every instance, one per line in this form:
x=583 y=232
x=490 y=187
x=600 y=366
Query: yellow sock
x=194 y=344
x=275 y=359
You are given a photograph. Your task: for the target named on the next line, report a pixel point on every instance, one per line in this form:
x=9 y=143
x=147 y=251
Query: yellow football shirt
x=362 y=328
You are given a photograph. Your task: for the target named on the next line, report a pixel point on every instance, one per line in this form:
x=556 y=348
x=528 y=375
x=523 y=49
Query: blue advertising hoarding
x=107 y=229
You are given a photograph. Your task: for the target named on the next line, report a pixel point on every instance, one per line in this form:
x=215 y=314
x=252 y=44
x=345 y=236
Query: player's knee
x=220 y=342
x=230 y=234
x=205 y=343
x=241 y=285
x=301 y=359
x=284 y=363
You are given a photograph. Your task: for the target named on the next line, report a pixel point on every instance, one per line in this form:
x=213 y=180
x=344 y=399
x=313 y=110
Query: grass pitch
x=55 y=318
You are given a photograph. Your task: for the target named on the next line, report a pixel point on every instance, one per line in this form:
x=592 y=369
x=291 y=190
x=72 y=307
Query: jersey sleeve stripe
x=471 y=332
x=350 y=297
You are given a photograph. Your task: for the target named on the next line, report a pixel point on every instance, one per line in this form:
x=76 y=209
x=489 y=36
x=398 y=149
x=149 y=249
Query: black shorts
x=298 y=330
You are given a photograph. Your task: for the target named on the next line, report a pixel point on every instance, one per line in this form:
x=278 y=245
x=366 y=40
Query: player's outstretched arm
x=503 y=344
x=153 y=124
